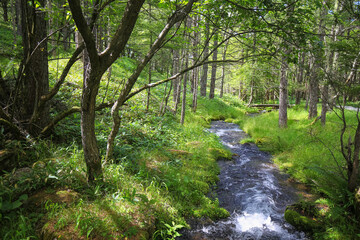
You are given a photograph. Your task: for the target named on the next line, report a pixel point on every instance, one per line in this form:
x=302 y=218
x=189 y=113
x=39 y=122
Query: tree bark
x=300 y=78
x=214 y=67
x=183 y=104
x=223 y=70
x=283 y=96
x=203 y=81
x=195 y=71
x=150 y=65
x=313 y=93
x=354 y=168
x=34 y=77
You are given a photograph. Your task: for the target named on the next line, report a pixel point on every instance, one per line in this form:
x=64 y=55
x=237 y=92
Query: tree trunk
x=299 y=78
x=195 y=71
x=283 y=96
x=175 y=83
x=4 y=5
x=240 y=86
x=88 y=103
x=251 y=97
x=214 y=67
x=150 y=65
x=97 y=67
x=177 y=16
x=354 y=169
x=183 y=105
x=313 y=93
x=34 y=77
x=203 y=81
x=223 y=71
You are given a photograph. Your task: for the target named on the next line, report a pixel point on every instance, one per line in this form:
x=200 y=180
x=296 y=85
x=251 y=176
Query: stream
x=252 y=189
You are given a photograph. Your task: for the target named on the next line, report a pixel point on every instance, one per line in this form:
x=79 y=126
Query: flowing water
x=252 y=189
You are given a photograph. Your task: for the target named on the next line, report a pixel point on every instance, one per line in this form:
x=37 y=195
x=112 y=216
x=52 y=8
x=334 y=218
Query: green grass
x=161 y=175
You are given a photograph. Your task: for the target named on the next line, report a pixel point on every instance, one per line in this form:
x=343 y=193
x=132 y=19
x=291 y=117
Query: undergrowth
x=161 y=174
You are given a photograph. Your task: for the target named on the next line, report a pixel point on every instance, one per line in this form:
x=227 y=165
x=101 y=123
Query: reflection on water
x=250 y=189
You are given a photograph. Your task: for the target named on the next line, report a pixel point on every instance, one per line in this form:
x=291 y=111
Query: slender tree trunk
x=203 y=81
x=240 y=86
x=176 y=62
x=251 y=97
x=223 y=71
x=313 y=92
x=195 y=71
x=177 y=16
x=150 y=65
x=299 y=78
x=183 y=105
x=214 y=67
x=283 y=96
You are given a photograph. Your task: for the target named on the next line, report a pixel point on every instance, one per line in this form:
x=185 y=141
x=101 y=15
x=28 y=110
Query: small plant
x=169 y=233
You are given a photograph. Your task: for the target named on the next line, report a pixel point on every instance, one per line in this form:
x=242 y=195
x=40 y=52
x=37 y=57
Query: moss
x=301 y=222
x=220 y=153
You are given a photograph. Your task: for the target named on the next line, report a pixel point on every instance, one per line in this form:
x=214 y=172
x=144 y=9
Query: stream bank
x=252 y=189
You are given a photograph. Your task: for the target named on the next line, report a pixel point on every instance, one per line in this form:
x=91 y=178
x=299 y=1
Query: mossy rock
x=220 y=153
x=60 y=196
x=179 y=152
x=194 y=144
x=301 y=222
x=230 y=120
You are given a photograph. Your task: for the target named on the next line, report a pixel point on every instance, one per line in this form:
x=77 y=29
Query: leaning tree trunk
x=177 y=16
x=214 y=67
x=98 y=65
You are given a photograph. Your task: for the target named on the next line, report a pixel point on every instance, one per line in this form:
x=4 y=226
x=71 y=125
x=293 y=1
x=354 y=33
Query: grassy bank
x=310 y=153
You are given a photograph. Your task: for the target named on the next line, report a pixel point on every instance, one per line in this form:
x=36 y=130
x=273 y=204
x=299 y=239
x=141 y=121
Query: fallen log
x=267 y=105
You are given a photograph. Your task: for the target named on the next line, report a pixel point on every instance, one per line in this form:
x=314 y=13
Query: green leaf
x=16 y=204
x=23 y=197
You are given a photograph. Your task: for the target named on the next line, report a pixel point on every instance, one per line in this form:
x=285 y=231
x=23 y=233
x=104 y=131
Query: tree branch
x=123 y=33
x=84 y=29
x=46 y=131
